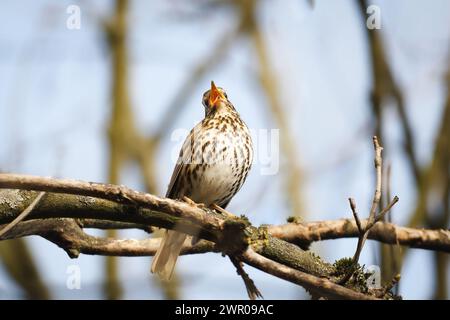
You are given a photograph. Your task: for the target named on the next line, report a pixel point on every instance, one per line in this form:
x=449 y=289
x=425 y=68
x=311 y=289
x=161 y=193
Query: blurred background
x=105 y=97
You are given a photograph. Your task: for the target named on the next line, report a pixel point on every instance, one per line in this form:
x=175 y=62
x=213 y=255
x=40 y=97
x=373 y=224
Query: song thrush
x=212 y=166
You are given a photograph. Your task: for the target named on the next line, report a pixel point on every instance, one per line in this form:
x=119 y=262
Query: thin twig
x=373 y=216
x=375 y=202
x=355 y=214
x=378 y=169
x=23 y=215
x=380 y=216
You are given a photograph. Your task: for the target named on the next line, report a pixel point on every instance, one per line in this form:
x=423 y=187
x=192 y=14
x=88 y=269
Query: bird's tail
x=164 y=261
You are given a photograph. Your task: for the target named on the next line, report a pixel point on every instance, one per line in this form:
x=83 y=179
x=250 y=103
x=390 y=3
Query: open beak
x=214 y=94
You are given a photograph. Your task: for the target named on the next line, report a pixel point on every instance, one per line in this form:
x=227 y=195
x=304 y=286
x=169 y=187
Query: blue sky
x=55 y=102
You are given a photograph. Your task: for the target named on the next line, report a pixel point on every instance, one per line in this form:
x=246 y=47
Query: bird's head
x=216 y=99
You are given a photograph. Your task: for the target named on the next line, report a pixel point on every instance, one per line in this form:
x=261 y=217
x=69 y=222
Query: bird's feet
x=191 y=202
x=222 y=211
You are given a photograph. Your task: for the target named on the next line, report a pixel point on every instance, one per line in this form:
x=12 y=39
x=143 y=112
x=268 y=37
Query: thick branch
x=300 y=233
x=68 y=235
x=135 y=207
x=313 y=284
x=438 y=240
x=229 y=234
x=138 y=207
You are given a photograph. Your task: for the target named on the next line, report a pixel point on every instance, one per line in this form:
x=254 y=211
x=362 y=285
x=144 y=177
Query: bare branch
x=318 y=286
x=378 y=169
x=308 y=232
x=375 y=202
x=380 y=216
x=68 y=235
x=373 y=217
x=355 y=214
x=230 y=234
x=192 y=215
x=23 y=215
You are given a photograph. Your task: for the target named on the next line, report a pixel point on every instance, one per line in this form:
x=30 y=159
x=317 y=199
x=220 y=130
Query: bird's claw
x=191 y=202
x=222 y=211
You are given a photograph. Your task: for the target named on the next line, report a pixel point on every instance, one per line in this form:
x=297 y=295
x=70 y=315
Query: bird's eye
x=225 y=94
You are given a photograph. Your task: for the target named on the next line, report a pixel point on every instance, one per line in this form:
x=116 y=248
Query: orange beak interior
x=214 y=95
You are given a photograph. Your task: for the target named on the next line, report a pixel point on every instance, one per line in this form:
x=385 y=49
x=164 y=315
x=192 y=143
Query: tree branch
x=305 y=233
x=189 y=219
x=373 y=216
x=68 y=235
x=23 y=215
x=231 y=235
x=313 y=284
x=222 y=233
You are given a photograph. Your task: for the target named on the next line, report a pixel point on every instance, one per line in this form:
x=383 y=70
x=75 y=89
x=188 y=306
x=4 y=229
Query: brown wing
x=184 y=160
x=173 y=181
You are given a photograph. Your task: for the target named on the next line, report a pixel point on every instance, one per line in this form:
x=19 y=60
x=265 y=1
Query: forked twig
x=373 y=216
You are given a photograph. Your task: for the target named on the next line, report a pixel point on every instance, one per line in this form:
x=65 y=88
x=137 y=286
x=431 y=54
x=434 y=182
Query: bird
x=213 y=164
